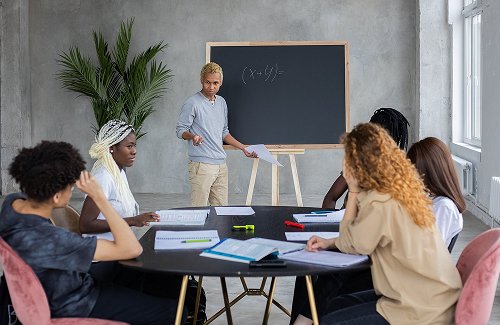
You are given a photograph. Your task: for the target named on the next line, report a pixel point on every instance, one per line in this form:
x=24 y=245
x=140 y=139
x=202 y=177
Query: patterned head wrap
x=110 y=134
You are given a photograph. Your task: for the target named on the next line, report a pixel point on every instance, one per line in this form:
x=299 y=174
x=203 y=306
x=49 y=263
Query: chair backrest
x=452 y=242
x=479 y=268
x=67 y=217
x=26 y=291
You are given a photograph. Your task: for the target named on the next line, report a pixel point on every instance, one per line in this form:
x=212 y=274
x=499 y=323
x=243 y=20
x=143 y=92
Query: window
x=472 y=70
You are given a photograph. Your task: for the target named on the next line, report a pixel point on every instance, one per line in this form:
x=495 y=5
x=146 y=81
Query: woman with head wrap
x=114 y=149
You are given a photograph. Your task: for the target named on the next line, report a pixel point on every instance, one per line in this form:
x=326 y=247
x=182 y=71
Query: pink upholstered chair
x=27 y=294
x=479 y=268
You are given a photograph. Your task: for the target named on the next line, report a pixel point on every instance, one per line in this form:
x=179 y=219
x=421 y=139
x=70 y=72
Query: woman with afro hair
x=61 y=259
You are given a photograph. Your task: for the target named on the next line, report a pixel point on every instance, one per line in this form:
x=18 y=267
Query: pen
x=321 y=212
x=196 y=241
x=293 y=224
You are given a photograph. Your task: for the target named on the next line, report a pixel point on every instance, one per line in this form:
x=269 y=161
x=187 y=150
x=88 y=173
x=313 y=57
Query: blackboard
x=285 y=94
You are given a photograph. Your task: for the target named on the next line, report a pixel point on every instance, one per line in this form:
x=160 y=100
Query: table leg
x=252 y=181
x=182 y=297
x=312 y=302
x=197 y=303
x=226 y=301
x=269 y=301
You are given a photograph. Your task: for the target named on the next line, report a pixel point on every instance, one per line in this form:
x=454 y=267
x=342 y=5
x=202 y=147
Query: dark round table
x=269 y=222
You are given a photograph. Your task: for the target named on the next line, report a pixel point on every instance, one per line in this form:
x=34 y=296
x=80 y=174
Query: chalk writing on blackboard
x=269 y=74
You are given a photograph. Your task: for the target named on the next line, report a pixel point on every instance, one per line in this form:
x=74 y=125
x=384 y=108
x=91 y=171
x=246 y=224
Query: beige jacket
x=412 y=269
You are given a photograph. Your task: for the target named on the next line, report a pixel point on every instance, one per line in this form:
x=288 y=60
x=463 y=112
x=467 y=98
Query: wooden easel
x=275 y=200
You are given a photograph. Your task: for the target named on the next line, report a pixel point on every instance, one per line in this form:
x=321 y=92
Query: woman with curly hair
x=388 y=217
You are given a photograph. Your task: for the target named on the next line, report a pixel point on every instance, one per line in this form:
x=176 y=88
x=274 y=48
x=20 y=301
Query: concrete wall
x=433 y=91
x=382 y=36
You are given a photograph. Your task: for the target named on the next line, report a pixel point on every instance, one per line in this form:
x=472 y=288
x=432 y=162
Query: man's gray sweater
x=200 y=116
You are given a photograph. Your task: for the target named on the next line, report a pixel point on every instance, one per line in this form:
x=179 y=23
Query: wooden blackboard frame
x=345 y=44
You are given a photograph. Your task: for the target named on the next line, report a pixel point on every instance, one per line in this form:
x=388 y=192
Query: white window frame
x=472 y=73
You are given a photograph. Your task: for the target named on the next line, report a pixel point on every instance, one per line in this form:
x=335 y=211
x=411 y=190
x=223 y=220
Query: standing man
x=203 y=122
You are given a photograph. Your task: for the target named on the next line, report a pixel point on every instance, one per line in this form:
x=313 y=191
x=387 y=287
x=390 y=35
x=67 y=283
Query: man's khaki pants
x=208 y=182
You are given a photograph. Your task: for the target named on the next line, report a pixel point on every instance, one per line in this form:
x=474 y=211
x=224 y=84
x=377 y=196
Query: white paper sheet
x=283 y=246
x=234 y=211
x=324 y=258
x=177 y=239
x=305 y=236
x=263 y=153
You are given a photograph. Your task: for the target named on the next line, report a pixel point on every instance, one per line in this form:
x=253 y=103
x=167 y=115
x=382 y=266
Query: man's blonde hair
x=211 y=67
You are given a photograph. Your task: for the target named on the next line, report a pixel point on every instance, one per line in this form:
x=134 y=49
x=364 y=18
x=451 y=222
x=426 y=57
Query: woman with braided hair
x=388 y=217
x=393 y=122
x=114 y=149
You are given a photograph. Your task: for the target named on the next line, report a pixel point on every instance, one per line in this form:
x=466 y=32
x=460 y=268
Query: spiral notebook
x=195 y=239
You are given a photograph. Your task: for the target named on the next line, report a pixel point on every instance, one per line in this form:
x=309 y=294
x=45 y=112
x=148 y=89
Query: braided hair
x=395 y=123
x=110 y=134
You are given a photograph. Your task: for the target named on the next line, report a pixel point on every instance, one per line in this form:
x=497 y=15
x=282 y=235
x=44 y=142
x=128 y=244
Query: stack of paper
x=327 y=258
x=335 y=216
x=306 y=235
x=186 y=239
x=181 y=217
x=234 y=211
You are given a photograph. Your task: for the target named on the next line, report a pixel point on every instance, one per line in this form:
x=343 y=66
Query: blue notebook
x=242 y=251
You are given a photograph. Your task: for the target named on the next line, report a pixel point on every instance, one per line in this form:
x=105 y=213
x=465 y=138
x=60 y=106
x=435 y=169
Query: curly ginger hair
x=378 y=164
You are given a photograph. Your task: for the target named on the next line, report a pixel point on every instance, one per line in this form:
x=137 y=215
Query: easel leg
x=252 y=181
x=275 y=196
x=296 y=180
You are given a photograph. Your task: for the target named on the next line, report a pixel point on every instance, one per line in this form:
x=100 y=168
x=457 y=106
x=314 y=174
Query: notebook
x=331 y=217
x=181 y=217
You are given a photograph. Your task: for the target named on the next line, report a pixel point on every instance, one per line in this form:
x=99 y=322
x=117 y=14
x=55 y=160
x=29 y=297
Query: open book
x=245 y=251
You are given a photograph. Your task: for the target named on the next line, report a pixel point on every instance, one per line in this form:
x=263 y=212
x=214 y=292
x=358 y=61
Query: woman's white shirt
x=448 y=219
x=111 y=192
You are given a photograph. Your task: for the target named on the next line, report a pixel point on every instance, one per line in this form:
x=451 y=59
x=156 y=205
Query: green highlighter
x=247 y=227
x=196 y=241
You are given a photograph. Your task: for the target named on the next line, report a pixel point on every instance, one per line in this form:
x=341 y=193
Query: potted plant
x=116 y=91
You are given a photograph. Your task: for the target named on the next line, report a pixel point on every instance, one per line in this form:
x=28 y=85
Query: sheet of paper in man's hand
x=263 y=153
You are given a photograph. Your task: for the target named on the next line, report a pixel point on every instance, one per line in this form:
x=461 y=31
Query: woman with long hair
x=432 y=158
x=388 y=217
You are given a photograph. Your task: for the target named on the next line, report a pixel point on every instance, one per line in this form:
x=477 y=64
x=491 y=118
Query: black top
x=269 y=222
x=61 y=259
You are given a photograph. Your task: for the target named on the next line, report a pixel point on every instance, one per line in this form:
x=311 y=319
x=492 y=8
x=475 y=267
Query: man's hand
x=249 y=155
x=197 y=140
x=89 y=185
x=143 y=219
x=315 y=244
